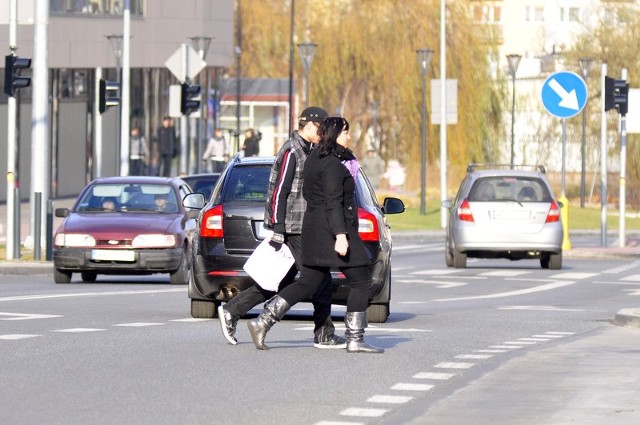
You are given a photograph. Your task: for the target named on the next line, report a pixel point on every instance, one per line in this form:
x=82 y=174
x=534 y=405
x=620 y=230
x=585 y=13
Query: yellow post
x=564 y=218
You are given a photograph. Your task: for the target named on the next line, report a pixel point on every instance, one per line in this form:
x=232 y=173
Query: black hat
x=313 y=114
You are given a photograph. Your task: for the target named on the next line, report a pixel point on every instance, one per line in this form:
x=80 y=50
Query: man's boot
x=228 y=324
x=324 y=336
x=274 y=310
x=356 y=322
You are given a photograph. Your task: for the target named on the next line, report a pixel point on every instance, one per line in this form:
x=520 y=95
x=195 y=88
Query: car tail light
x=212 y=223
x=464 y=211
x=368 y=226
x=554 y=213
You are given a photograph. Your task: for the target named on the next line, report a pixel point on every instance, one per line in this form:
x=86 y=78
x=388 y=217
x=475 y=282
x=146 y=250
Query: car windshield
x=509 y=188
x=247 y=183
x=128 y=198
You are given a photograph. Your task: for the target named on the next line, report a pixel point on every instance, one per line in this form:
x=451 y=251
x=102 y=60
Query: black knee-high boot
x=356 y=322
x=274 y=310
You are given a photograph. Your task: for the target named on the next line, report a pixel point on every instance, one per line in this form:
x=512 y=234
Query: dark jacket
x=167 y=141
x=329 y=190
x=285 y=204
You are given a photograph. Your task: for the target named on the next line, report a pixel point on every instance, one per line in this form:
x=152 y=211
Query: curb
x=24 y=268
x=628 y=317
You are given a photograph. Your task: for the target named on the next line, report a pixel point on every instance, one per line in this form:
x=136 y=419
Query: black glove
x=277 y=239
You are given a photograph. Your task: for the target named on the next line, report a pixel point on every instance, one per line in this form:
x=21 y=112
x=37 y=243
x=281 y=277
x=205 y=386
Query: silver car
x=504 y=213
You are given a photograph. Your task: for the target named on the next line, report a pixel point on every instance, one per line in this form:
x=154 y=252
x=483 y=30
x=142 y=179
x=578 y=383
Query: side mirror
x=392 y=206
x=447 y=204
x=194 y=201
x=61 y=212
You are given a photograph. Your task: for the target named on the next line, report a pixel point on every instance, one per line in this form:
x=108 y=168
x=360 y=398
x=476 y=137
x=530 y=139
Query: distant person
x=373 y=167
x=109 y=204
x=138 y=154
x=217 y=152
x=167 y=147
x=395 y=175
x=162 y=202
x=251 y=145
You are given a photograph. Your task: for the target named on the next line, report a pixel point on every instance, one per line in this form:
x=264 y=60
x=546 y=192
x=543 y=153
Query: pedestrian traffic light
x=108 y=95
x=188 y=93
x=616 y=95
x=12 y=78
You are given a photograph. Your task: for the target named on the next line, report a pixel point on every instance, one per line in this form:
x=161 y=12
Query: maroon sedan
x=127 y=226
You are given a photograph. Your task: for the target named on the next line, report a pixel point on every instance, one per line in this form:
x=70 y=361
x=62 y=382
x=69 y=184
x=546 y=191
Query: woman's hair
x=329 y=131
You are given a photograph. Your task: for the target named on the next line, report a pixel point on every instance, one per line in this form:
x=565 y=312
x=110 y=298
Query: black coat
x=329 y=190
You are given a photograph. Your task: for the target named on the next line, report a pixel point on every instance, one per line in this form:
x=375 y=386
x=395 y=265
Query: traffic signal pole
x=623 y=168
x=13 y=224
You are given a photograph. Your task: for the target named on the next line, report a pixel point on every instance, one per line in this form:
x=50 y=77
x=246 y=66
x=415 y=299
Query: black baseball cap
x=313 y=114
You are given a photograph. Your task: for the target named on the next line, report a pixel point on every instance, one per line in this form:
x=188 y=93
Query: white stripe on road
x=434 y=375
x=90 y=294
x=17 y=336
x=540 y=288
x=79 y=330
x=191 y=320
x=412 y=387
x=505 y=273
x=537 y=308
x=391 y=399
x=573 y=275
x=510 y=347
x=28 y=316
x=138 y=324
x=474 y=356
x=454 y=365
x=363 y=412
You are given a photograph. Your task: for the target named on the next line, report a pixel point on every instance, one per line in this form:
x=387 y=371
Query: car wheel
x=203 y=309
x=459 y=260
x=555 y=261
x=544 y=260
x=60 y=276
x=448 y=258
x=377 y=313
x=181 y=276
x=89 y=276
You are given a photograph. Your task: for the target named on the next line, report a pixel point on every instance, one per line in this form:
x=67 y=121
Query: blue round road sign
x=564 y=94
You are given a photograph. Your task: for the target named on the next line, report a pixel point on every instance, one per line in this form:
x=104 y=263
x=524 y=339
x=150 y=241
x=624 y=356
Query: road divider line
x=540 y=288
x=91 y=294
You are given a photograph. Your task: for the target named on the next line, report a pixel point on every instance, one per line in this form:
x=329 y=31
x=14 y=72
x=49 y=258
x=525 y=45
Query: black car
x=202 y=183
x=230 y=227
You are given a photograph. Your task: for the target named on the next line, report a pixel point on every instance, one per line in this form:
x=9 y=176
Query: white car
x=504 y=213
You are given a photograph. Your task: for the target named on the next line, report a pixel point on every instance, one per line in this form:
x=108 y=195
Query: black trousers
x=311 y=279
x=249 y=298
x=165 y=165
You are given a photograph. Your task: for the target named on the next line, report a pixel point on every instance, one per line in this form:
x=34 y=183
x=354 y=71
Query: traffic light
x=616 y=95
x=108 y=95
x=12 y=78
x=188 y=103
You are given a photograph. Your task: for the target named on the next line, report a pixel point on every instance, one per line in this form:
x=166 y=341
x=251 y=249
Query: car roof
x=136 y=179
x=254 y=160
x=497 y=170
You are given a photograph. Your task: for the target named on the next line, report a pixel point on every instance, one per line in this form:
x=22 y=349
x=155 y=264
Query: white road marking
x=391 y=399
x=505 y=273
x=560 y=333
x=28 y=316
x=510 y=347
x=17 y=336
x=520 y=342
x=364 y=412
x=624 y=268
x=632 y=278
x=338 y=423
x=540 y=288
x=441 y=284
x=547 y=336
x=437 y=272
x=138 y=324
x=474 y=356
x=573 y=275
x=412 y=387
x=90 y=294
x=618 y=282
x=79 y=330
x=454 y=365
x=490 y=351
x=191 y=320
x=537 y=308
x=534 y=339
x=370 y=328
x=434 y=375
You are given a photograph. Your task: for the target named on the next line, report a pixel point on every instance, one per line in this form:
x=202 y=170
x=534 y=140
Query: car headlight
x=154 y=241
x=74 y=240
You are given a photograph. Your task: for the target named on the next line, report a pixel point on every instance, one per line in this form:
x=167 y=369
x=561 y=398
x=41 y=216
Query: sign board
x=176 y=63
x=564 y=94
x=451 y=94
x=633 y=114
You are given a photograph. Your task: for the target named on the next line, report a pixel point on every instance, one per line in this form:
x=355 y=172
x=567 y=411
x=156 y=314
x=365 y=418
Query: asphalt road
x=498 y=342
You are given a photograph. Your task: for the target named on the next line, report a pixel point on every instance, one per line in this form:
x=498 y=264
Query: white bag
x=267 y=266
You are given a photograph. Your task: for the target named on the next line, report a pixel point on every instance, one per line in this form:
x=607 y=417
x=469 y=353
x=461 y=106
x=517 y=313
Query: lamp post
x=585 y=67
x=307 y=51
x=201 y=45
x=424 y=60
x=116 y=45
x=514 y=61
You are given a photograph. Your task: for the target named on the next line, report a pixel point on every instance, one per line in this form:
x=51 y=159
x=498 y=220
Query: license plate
x=511 y=215
x=113 y=255
x=261 y=232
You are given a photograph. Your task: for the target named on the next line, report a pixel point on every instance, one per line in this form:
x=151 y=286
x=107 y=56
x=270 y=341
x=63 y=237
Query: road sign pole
x=623 y=171
x=603 y=160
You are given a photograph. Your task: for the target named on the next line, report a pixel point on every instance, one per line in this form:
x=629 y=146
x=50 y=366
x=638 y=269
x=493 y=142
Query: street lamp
x=514 y=61
x=307 y=51
x=585 y=67
x=201 y=45
x=116 y=41
x=424 y=59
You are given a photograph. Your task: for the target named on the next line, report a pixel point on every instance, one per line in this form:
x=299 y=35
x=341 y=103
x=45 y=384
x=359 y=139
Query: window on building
x=93 y=7
x=534 y=14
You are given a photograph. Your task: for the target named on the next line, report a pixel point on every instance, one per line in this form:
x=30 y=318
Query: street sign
x=633 y=115
x=194 y=63
x=451 y=108
x=564 y=94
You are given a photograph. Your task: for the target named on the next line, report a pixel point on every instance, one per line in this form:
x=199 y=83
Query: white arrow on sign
x=569 y=99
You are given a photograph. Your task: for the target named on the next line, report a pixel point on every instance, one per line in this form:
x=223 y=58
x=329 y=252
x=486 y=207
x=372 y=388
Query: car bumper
x=144 y=260
x=468 y=238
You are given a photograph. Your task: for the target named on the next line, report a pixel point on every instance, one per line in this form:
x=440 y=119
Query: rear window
x=247 y=183
x=509 y=188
